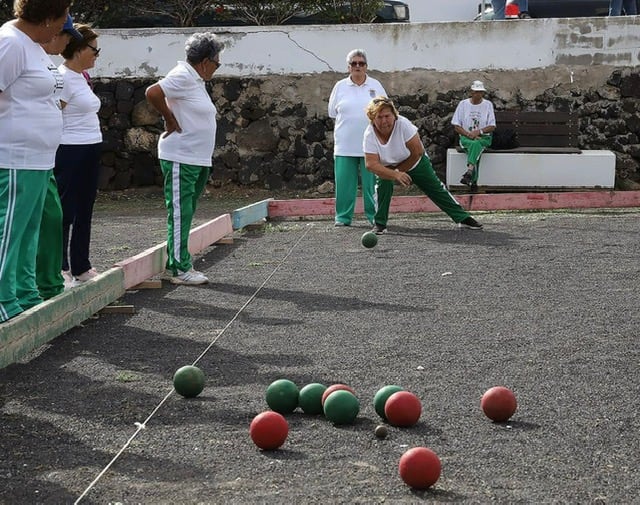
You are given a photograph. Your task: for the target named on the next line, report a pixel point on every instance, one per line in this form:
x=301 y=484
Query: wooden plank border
x=42 y=323
x=250 y=214
x=478 y=202
x=37 y=326
x=151 y=262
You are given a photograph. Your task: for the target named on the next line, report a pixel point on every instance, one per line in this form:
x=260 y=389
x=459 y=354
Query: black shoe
x=469 y=222
x=378 y=229
x=466 y=179
x=524 y=15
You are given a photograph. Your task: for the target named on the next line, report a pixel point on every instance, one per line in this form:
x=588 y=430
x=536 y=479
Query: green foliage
x=355 y=11
x=183 y=12
x=121 y=13
x=275 y=12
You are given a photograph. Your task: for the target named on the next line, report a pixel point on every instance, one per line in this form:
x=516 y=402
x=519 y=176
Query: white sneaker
x=69 y=281
x=88 y=275
x=192 y=277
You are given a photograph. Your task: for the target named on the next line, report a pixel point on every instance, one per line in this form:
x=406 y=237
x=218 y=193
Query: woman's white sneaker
x=85 y=276
x=192 y=277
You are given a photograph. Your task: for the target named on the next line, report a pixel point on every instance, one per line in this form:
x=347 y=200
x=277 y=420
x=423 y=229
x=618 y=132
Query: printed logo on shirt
x=373 y=93
x=474 y=117
x=59 y=83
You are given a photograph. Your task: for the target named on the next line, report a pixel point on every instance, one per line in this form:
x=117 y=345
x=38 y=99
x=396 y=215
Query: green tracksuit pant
x=21 y=200
x=426 y=179
x=49 y=260
x=474 y=149
x=347 y=170
x=183 y=185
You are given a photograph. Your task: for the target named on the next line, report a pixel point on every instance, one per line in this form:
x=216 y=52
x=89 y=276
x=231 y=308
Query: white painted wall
x=442 y=47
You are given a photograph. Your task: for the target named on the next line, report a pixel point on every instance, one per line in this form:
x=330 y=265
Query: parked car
x=551 y=9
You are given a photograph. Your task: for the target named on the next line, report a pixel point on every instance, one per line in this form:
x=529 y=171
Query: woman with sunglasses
x=186 y=146
x=78 y=157
x=395 y=154
x=347 y=104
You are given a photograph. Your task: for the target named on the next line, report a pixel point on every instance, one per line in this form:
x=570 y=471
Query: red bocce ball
x=269 y=430
x=499 y=403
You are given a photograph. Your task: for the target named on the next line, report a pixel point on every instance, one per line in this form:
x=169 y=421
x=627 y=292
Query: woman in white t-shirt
x=394 y=152
x=186 y=147
x=30 y=130
x=78 y=157
x=349 y=98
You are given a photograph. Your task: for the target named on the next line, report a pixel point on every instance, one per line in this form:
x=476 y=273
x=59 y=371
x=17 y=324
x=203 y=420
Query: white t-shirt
x=30 y=117
x=474 y=117
x=347 y=105
x=395 y=151
x=190 y=103
x=80 y=116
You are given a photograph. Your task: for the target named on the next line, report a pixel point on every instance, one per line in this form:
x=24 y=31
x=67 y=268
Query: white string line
x=142 y=426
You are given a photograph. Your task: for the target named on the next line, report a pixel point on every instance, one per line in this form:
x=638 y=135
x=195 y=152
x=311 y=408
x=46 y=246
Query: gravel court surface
x=544 y=303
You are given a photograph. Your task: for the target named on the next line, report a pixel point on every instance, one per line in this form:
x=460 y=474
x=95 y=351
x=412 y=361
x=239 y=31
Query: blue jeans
x=616 y=6
x=498 y=7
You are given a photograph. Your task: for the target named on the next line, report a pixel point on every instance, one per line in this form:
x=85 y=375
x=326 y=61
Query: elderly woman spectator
x=186 y=147
x=394 y=152
x=30 y=131
x=78 y=158
x=347 y=104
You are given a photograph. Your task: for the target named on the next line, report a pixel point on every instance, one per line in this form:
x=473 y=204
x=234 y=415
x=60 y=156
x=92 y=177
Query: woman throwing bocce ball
x=394 y=152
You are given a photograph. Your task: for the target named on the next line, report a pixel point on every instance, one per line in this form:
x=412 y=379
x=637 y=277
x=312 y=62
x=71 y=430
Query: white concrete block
x=589 y=169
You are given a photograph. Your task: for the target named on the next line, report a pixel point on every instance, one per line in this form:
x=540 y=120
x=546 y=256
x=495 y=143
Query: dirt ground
x=545 y=303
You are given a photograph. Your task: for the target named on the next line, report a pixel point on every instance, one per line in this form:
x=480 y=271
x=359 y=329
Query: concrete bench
x=547 y=157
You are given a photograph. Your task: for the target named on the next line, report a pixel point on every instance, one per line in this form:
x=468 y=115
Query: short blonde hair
x=379 y=103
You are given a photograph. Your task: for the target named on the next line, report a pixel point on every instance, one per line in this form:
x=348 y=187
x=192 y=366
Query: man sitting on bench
x=474 y=121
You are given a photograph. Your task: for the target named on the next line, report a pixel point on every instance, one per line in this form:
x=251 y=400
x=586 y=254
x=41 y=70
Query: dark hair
x=39 y=11
x=202 y=46
x=75 y=45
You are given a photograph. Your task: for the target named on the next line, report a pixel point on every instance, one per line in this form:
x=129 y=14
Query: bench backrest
x=540 y=129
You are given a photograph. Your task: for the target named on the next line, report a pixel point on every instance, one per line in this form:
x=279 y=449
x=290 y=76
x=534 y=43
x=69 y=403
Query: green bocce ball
x=188 y=381
x=369 y=239
x=381 y=398
x=341 y=407
x=282 y=396
x=310 y=399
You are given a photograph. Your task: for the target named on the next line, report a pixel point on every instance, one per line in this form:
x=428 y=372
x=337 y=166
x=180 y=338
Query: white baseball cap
x=477 y=86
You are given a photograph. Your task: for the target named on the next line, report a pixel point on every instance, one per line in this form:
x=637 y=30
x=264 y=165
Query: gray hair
x=202 y=46
x=356 y=52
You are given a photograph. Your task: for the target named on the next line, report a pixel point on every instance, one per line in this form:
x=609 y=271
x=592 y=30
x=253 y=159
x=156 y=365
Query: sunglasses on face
x=96 y=50
x=358 y=63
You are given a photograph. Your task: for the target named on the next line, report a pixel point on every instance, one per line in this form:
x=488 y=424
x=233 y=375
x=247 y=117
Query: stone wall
x=274 y=132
